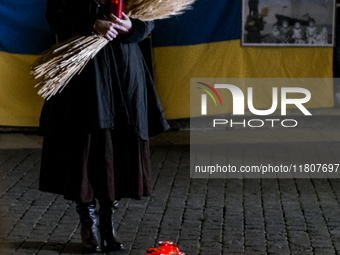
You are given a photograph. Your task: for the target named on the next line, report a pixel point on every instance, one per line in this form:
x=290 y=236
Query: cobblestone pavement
x=204 y=216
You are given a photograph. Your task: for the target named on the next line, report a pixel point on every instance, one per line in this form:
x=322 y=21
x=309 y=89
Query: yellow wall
x=174 y=66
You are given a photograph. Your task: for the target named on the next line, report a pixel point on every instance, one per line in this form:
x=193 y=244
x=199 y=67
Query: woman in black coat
x=96 y=130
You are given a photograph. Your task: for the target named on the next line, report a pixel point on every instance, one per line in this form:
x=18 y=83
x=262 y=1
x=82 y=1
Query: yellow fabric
x=19 y=103
x=174 y=66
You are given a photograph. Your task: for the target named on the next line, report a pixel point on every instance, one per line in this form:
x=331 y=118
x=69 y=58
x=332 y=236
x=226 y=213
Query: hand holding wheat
x=124 y=22
x=108 y=28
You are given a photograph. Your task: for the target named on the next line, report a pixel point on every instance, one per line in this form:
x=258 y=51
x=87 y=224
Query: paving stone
x=204 y=216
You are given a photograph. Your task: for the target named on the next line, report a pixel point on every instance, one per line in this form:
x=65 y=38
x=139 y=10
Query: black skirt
x=108 y=164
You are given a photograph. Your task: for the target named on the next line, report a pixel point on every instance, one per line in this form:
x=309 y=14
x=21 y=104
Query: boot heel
x=89 y=229
x=109 y=236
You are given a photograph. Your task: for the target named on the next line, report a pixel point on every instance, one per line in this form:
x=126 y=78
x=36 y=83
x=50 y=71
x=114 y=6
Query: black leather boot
x=109 y=237
x=90 y=234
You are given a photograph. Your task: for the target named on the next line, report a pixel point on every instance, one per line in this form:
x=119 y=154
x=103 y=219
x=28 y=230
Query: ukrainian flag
x=24 y=34
x=205 y=43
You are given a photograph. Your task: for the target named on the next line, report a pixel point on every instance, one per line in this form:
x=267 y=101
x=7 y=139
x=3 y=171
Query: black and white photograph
x=288 y=23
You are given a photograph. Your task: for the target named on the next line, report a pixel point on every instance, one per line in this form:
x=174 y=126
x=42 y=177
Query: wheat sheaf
x=56 y=66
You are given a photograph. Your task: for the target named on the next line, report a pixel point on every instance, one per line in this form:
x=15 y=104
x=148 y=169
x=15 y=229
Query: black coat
x=114 y=89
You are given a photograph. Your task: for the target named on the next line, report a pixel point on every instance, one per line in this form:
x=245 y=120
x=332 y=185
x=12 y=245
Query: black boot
x=108 y=233
x=90 y=234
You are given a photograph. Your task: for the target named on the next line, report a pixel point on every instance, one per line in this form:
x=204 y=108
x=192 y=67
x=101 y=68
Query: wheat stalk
x=61 y=62
x=58 y=65
x=155 y=9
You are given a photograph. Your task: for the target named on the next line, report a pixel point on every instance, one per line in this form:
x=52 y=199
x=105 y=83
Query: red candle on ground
x=168 y=247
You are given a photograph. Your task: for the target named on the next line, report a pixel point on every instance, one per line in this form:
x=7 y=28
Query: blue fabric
x=23 y=28
x=209 y=21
